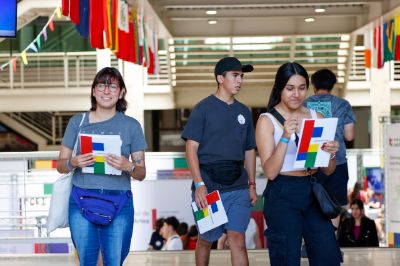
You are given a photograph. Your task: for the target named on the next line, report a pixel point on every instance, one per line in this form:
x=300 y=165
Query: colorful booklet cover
x=314 y=133
x=212 y=216
x=100 y=145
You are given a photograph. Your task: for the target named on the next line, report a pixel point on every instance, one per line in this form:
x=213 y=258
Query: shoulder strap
x=281 y=120
x=277 y=115
x=77 y=136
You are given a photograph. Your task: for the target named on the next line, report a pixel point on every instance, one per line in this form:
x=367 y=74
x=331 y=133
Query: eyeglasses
x=112 y=87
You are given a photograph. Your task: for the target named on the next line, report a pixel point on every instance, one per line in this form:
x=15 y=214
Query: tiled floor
x=352 y=257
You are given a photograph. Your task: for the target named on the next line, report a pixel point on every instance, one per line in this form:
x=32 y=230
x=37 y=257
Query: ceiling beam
x=176 y=4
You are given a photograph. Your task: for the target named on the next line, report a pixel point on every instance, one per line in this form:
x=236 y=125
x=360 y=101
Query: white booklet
x=314 y=133
x=212 y=216
x=100 y=145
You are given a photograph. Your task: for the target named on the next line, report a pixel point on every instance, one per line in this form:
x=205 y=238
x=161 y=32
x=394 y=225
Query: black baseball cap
x=231 y=64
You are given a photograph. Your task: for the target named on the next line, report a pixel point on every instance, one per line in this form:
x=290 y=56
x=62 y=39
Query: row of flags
x=35 y=45
x=382 y=43
x=118 y=25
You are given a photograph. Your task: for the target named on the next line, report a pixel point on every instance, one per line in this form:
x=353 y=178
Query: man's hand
x=200 y=196
x=253 y=195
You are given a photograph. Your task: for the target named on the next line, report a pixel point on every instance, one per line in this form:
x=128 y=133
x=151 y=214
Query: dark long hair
x=105 y=75
x=284 y=73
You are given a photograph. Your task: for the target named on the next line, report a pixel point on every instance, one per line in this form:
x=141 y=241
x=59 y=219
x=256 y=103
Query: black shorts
x=336 y=183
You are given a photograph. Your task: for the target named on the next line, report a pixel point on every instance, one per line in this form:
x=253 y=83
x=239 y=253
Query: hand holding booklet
x=100 y=145
x=212 y=216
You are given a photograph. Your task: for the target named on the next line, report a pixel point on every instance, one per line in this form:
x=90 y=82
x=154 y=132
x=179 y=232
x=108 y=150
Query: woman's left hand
x=118 y=162
x=332 y=147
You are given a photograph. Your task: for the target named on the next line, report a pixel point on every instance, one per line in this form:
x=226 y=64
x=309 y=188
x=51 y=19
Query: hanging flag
x=377 y=59
x=14 y=64
x=125 y=50
x=45 y=33
x=380 y=46
x=140 y=17
x=397 y=38
x=135 y=39
x=24 y=59
x=83 y=26
x=58 y=12
x=114 y=25
x=123 y=16
x=388 y=41
x=74 y=13
x=96 y=25
x=33 y=47
x=51 y=25
x=367 y=51
x=146 y=57
x=65 y=7
x=39 y=41
x=107 y=23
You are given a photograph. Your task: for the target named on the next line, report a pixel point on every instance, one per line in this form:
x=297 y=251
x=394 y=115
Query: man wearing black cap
x=220 y=152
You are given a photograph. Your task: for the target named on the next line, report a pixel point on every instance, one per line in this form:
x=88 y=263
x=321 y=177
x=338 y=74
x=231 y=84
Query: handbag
x=329 y=205
x=100 y=209
x=58 y=211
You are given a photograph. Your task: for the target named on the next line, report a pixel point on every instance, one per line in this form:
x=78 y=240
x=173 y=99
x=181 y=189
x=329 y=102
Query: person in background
x=106 y=117
x=291 y=210
x=191 y=239
x=182 y=231
x=220 y=151
x=359 y=230
x=173 y=241
x=329 y=106
x=156 y=240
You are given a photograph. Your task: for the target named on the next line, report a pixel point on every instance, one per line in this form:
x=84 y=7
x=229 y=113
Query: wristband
x=252 y=183
x=333 y=156
x=198 y=184
x=284 y=140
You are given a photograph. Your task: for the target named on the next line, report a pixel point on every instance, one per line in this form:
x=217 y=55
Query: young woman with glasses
x=106 y=117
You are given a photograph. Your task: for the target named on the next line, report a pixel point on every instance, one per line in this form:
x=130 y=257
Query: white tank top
x=288 y=161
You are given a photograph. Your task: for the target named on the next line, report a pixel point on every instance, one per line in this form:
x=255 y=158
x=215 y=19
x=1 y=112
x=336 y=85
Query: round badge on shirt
x=241 y=119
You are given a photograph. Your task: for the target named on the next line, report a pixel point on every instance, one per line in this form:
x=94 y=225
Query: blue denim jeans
x=113 y=240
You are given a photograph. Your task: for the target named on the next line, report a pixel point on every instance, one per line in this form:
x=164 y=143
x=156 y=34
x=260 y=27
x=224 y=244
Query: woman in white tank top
x=290 y=209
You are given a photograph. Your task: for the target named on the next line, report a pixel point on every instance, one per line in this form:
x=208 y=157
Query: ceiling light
x=211 y=12
x=309 y=20
x=212 y=22
x=319 y=10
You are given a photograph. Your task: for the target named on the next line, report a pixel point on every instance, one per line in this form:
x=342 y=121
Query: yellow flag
x=58 y=12
x=23 y=56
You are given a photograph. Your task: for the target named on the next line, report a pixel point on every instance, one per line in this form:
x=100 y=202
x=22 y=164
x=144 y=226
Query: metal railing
x=64 y=70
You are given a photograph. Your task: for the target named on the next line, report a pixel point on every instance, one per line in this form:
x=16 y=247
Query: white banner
x=159 y=199
x=392 y=184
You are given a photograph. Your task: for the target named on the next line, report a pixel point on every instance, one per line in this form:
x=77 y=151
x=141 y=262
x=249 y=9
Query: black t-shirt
x=156 y=241
x=224 y=132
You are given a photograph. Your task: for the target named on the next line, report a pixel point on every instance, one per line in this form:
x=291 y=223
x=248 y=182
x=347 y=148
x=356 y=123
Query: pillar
x=135 y=77
x=380 y=103
x=103 y=57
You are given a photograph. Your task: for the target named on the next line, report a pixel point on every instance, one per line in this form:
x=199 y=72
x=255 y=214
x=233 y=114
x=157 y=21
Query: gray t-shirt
x=132 y=138
x=332 y=106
